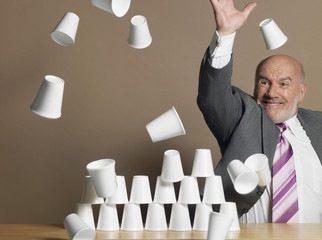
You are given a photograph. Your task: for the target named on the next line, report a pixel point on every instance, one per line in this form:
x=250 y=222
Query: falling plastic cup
x=139 y=36
x=156 y=218
x=140 y=190
x=48 y=101
x=77 y=229
x=167 y=125
x=202 y=163
x=103 y=175
x=164 y=192
x=259 y=164
x=219 y=225
x=213 y=191
x=65 y=31
x=244 y=179
x=116 y=7
x=172 y=170
x=189 y=191
x=272 y=34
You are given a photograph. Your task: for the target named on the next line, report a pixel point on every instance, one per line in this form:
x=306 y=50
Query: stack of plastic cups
x=108 y=217
x=202 y=167
x=140 y=194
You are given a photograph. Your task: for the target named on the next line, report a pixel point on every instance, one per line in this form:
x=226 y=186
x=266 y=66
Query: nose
x=272 y=91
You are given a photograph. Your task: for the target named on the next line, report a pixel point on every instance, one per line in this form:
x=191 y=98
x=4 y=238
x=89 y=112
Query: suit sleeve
x=220 y=105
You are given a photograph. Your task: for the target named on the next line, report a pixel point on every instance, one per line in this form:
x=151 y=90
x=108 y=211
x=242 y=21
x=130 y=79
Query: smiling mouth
x=271 y=103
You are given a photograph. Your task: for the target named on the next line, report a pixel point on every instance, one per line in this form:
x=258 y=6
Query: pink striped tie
x=285 y=200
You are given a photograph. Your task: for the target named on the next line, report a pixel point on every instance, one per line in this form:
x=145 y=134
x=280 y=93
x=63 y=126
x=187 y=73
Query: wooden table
x=248 y=231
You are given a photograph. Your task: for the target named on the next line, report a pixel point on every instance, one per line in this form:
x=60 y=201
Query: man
x=245 y=125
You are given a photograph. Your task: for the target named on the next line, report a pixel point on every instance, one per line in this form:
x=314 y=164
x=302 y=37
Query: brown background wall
x=113 y=90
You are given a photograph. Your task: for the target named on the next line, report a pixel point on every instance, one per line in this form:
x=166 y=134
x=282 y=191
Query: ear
x=303 y=87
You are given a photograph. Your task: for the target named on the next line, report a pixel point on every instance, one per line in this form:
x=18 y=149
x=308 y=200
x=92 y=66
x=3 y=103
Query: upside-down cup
x=219 y=225
x=108 y=219
x=189 y=191
x=259 y=164
x=201 y=219
x=164 y=192
x=120 y=195
x=213 y=191
x=202 y=163
x=244 y=179
x=139 y=36
x=77 y=229
x=65 y=31
x=272 y=34
x=48 y=101
x=89 y=195
x=156 y=218
x=132 y=218
x=85 y=212
x=116 y=7
x=167 y=125
x=180 y=218
x=172 y=170
x=140 y=190
x=230 y=209
x=103 y=175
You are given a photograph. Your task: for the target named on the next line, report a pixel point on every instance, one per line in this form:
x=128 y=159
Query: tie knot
x=282 y=127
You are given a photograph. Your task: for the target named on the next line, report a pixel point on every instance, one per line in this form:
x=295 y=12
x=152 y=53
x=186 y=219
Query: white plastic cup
x=230 y=209
x=85 y=212
x=172 y=170
x=244 y=179
x=139 y=36
x=120 y=195
x=156 y=218
x=77 y=229
x=167 y=125
x=103 y=175
x=219 y=225
x=89 y=195
x=180 y=218
x=272 y=34
x=259 y=164
x=201 y=219
x=164 y=192
x=202 y=163
x=116 y=7
x=213 y=191
x=132 y=218
x=49 y=99
x=189 y=191
x=108 y=218
x=140 y=190
x=65 y=31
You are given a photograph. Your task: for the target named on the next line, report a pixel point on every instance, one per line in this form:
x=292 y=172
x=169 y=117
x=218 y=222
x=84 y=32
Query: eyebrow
x=260 y=76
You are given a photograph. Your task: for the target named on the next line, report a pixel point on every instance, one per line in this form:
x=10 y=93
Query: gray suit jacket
x=242 y=128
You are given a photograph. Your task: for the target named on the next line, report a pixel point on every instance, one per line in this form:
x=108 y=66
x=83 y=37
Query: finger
x=249 y=8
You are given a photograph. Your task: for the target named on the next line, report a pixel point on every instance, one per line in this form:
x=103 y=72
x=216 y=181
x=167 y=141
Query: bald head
x=279 y=86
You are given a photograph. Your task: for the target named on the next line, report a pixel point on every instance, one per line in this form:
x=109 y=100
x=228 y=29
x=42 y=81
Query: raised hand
x=228 y=18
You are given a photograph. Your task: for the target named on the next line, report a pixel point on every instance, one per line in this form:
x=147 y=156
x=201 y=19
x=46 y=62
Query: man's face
x=279 y=88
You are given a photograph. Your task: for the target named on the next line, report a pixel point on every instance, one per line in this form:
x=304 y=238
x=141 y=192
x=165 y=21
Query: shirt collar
x=294 y=125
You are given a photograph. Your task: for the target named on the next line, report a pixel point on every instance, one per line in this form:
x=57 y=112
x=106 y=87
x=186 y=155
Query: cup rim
x=101 y=164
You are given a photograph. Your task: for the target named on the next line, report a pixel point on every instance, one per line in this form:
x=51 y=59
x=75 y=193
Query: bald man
x=270 y=122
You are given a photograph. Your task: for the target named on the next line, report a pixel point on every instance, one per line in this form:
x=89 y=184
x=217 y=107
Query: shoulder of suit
x=310 y=114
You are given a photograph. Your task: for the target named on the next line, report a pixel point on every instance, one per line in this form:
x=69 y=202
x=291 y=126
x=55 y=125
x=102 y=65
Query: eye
x=263 y=82
x=284 y=84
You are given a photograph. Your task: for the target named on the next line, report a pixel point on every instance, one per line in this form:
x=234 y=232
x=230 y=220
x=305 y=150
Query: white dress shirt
x=307 y=164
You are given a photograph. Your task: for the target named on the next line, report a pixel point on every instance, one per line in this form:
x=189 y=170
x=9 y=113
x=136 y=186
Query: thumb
x=249 y=8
